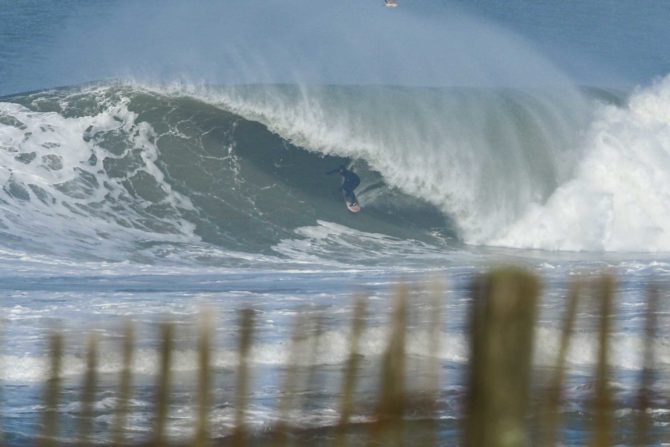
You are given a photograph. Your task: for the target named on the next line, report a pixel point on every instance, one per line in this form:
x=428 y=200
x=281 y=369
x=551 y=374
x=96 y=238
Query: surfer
x=350 y=181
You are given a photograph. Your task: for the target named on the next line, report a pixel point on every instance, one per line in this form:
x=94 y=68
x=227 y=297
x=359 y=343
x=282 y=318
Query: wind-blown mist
x=297 y=41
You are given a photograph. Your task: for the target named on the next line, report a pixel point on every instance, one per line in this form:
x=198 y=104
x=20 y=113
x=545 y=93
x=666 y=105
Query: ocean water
x=159 y=160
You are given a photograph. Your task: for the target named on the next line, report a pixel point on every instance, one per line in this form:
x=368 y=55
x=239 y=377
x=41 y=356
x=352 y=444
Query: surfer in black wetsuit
x=349 y=182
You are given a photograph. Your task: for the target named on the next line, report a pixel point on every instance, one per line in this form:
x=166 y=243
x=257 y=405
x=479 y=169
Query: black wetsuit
x=350 y=181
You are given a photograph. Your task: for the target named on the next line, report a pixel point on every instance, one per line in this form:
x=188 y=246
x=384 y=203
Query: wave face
x=109 y=171
x=479 y=155
x=102 y=171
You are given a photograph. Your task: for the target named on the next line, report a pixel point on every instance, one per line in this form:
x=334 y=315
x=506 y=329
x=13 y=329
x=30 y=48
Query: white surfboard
x=353 y=207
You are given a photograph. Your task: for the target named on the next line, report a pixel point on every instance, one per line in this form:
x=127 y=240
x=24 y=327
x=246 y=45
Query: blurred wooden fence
x=497 y=408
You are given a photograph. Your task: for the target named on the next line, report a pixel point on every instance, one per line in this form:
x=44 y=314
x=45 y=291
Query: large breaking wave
x=105 y=170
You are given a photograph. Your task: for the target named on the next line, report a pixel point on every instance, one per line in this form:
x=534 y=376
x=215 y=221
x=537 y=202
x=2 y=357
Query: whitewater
x=187 y=176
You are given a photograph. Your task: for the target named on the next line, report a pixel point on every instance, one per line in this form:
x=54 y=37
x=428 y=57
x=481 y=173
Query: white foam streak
x=333 y=349
x=339 y=246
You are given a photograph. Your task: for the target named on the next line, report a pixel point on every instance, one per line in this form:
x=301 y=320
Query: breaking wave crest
x=101 y=171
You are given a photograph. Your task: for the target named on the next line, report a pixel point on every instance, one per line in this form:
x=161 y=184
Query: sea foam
x=619 y=197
